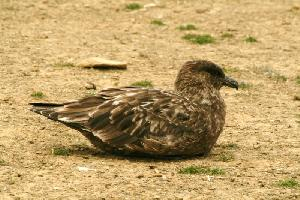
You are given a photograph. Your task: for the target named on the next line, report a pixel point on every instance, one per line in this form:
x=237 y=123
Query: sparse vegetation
x=133 y=6
x=270 y=73
x=250 y=39
x=187 y=27
x=230 y=69
x=38 y=94
x=295 y=9
x=288 y=183
x=227 y=35
x=199 y=39
x=231 y=146
x=144 y=83
x=157 y=22
x=60 y=151
x=298 y=80
x=201 y=170
x=280 y=78
x=298 y=116
x=63 y=64
x=2 y=162
x=225 y=157
x=244 y=86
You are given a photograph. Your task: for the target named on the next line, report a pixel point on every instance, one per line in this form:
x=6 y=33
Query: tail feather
x=49 y=110
x=46 y=104
x=46 y=109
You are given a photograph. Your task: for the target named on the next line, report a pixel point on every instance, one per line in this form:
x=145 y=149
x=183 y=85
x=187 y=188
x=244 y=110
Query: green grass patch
x=63 y=64
x=133 y=6
x=230 y=69
x=187 y=27
x=250 y=39
x=199 y=39
x=201 y=170
x=38 y=94
x=157 y=22
x=288 y=183
x=2 y=162
x=231 y=146
x=60 y=151
x=298 y=80
x=225 y=157
x=144 y=83
x=227 y=35
x=245 y=86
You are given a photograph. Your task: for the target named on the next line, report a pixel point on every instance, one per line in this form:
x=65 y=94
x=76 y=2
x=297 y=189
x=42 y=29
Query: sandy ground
x=262 y=120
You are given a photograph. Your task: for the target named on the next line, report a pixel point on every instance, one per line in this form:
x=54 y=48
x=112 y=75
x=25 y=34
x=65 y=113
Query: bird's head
x=202 y=74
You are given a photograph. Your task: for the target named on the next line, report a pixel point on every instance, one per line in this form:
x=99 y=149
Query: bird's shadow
x=108 y=69
x=86 y=152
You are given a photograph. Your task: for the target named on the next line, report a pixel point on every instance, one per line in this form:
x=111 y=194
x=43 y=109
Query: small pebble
x=90 y=86
x=297 y=98
x=84 y=169
x=140 y=176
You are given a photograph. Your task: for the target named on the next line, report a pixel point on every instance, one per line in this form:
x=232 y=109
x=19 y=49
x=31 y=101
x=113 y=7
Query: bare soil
x=262 y=125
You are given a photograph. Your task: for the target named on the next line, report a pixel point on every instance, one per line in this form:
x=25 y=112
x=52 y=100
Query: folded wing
x=136 y=119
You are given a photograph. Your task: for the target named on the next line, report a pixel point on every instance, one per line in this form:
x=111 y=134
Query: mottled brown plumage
x=186 y=121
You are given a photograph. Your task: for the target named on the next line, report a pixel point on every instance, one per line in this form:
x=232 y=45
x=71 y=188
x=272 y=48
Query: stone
x=90 y=86
x=101 y=63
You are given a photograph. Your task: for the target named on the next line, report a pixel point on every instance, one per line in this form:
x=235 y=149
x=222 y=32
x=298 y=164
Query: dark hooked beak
x=230 y=82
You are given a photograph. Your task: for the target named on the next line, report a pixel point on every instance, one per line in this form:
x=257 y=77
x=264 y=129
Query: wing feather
x=137 y=114
x=132 y=118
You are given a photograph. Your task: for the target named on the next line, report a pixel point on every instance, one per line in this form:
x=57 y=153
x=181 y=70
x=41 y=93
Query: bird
x=186 y=121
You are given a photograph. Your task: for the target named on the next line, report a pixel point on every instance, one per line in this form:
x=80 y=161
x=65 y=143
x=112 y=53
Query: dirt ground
x=262 y=122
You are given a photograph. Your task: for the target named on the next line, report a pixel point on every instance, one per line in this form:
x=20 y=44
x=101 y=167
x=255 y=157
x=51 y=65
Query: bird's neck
x=207 y=98
x=199 y=93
